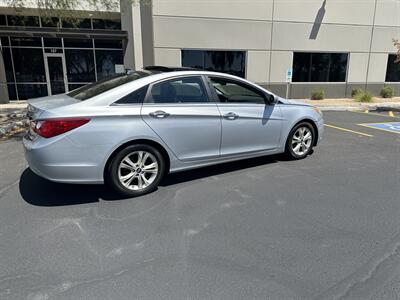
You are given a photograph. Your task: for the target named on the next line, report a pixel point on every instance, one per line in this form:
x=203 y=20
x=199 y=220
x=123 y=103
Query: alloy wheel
x=138 y=170
x=302 y=140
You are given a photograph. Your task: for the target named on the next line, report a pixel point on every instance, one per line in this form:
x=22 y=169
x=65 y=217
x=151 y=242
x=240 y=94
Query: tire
x=296 y=137
x=132 y=177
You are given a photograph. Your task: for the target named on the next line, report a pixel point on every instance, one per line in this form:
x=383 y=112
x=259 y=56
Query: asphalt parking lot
x=327 y=227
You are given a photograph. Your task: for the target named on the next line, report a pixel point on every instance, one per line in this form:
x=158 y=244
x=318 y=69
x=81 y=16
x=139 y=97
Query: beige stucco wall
x=295 y=36
x=280 y=62
x=335 y=11
x=271 y=30
x=377 y=67
x=358 y=63
x=167 y=57
x=233 y=9
x=387 y=13
x=257 y=65
x=183 y=32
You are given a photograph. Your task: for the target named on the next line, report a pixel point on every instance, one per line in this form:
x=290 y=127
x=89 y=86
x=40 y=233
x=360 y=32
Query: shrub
x=387 y=92
x=317 y=94
x=364 y=97
x=355 y=92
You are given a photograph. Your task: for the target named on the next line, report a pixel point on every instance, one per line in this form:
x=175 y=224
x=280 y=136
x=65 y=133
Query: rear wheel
x=136 y=170
x=300 y=140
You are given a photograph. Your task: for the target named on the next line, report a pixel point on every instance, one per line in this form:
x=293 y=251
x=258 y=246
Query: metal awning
x=62 y=32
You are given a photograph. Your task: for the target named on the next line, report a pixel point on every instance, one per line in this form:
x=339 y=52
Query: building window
x=231 y=62
x=26 y=91
x=76 y=23
x=393 y=69
x=29 y=41
x=50 y=22
x=78 y=43
x=109 y=44
x=106 y=24
x=80 y=65
x=3 y=20
x=106 y=61
x=319 y=67
x=29 y=65
x=32 y=21
x=8 y=64
x=5 y=41
x=52 y=42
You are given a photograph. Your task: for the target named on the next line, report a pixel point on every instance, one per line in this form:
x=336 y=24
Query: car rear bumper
x=59 y=160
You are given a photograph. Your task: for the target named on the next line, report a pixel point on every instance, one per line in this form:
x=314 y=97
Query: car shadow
x=38 y=191
x=41 y=192
x=224 y=168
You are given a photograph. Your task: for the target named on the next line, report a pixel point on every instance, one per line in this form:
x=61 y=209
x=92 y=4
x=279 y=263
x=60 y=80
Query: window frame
x=239 y=82
x=148 y=98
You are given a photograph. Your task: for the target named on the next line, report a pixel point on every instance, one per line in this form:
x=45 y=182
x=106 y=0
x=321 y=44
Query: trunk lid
x=38 y=106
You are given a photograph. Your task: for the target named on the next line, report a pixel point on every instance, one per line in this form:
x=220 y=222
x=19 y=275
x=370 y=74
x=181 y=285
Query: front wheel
x=300 y=140
x=136 y=170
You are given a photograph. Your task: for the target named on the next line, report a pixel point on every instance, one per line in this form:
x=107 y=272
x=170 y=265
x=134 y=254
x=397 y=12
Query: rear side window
x=94 y=89
x=136 y=97
x=180 y=90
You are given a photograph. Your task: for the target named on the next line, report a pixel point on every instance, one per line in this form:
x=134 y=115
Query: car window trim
x=211 y=99
x=216 y=98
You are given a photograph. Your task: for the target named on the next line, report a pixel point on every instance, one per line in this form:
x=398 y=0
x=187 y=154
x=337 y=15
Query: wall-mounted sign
x=119 y=69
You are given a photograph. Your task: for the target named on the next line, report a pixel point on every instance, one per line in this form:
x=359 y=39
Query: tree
x=62 y=6
x=68 y=8
x=397 y=45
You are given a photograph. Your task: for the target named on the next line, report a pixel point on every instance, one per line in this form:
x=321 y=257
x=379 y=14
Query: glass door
x=55 y=73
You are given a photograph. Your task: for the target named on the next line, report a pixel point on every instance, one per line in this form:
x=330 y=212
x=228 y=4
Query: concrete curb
x=372 y=107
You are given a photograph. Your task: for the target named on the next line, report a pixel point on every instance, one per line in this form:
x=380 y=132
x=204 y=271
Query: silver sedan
x=132 y=129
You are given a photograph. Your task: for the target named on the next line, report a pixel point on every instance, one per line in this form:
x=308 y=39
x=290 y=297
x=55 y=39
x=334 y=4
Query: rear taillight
x=50 y=128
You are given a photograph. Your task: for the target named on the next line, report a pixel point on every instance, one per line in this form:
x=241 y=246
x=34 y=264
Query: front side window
x=319 y=67
x=393 y=69
x=180 y=90
x=231 y=91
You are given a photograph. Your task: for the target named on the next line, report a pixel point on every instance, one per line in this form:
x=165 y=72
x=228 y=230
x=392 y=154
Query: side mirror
x=269 y=99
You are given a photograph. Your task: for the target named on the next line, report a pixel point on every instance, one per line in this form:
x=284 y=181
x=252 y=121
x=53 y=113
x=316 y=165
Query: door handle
x=159 y=114
x=231 y=116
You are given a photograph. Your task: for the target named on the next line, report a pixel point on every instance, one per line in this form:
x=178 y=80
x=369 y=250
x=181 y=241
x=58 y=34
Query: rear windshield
x=96 y=88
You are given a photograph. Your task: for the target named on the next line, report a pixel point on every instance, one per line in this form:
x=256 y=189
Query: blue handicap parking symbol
x=392 y=127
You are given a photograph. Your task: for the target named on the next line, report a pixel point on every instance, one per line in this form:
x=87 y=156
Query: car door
x=248 y=123
x=182 y=113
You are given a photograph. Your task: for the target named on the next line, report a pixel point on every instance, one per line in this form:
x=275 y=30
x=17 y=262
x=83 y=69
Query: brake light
x=51 y=128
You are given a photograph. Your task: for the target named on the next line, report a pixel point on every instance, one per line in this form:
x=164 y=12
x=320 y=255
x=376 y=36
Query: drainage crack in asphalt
x=369 y=277
x=4 y=190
